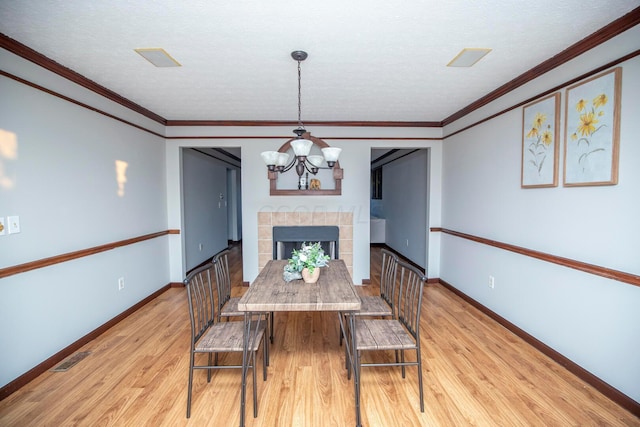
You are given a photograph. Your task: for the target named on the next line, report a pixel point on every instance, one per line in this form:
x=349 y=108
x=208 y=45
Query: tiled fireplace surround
x=266 y=221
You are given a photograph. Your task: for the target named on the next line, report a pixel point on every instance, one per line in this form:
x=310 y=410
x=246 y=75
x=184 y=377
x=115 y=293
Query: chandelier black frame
x=278 y=161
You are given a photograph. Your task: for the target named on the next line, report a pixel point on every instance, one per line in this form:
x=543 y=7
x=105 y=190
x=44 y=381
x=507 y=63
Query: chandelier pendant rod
x=299 y=56
x=300 y=125
x=302 y=159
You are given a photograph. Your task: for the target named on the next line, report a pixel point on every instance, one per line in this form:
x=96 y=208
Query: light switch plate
x=13 y=225
x=3 y=227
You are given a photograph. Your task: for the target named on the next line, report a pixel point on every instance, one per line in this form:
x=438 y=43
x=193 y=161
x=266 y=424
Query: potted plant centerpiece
x=307 y=261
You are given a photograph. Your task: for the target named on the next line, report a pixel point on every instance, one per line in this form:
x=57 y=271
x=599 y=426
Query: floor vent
x=71 y=362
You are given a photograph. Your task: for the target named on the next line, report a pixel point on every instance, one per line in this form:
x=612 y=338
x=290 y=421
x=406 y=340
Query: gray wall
x=58 y=174
x=592 y=320
x=234 y=207
x=204 y=199
x=404 y=193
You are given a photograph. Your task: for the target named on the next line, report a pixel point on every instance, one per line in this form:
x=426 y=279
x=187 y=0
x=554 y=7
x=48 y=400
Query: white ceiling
x=369 y=60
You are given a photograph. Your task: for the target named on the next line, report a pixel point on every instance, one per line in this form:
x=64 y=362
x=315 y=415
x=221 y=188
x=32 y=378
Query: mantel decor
x=305 y=163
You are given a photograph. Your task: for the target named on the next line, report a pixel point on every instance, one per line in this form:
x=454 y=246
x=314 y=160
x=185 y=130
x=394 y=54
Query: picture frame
x=540 y=142
x=592 y=130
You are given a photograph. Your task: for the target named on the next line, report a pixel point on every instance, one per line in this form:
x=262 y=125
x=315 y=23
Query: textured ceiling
x=368 y=60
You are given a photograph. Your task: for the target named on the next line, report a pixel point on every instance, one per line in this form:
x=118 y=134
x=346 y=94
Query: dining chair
x=401 y=333
x=211 y=337
x=381 y=305
x=228 y=305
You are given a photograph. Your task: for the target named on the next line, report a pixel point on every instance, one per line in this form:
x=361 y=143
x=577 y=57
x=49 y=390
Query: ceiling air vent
x=467 y=57
x=158 y=57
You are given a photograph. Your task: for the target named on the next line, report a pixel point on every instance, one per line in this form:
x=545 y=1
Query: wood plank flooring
x=475 y=373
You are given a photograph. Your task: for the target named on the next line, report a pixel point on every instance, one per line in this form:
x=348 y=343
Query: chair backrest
x=410 y=298
x=201 y=303
x=388 y=277
x=223 y=277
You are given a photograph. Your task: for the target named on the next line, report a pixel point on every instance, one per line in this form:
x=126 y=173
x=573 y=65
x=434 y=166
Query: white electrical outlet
x=200 y=246
x=492 y=282
x=3 y=228
x=121 y=283
x=13 y=225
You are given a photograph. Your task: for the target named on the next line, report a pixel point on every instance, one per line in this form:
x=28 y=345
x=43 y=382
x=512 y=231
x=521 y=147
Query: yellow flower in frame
x=601 y=113
x=574 y=136
x=587 y=124
x=580 y=105
x=539 y=119
x=600 y=100
x=547 y=137
x=533 y=132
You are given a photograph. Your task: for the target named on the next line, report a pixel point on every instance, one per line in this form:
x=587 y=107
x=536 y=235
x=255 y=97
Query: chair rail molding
x=45 y=262
x=609 y=273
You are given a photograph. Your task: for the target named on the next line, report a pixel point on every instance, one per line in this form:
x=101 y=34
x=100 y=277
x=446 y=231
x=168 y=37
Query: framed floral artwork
x=540 y=146
x=592 y=130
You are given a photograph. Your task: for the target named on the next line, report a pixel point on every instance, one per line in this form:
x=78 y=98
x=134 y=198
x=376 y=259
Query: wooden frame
x=540 y=142
x=592 y=130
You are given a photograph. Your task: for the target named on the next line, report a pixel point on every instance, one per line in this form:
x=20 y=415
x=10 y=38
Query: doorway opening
x=211 y=202
x=399 y=201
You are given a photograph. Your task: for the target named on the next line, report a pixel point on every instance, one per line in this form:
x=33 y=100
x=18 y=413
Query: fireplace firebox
x=288 y=238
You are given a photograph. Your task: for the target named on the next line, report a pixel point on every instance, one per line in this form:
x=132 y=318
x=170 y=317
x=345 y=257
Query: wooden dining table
x=334 y=291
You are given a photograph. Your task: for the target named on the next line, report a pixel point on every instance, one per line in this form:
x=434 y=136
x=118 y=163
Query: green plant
x=308 y=256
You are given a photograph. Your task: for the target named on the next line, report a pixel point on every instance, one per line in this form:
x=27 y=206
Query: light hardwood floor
x=475 y=373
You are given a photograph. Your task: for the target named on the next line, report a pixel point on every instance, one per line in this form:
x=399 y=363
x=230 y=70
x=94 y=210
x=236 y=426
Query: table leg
x=355 y=366
x=351 y=358
x=343 y=317
x=245 y=341
x=246 y=337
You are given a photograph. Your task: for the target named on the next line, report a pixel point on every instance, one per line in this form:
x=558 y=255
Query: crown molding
x=604 y=34
x=607 y=32
x=29 y=54
x=247 y=123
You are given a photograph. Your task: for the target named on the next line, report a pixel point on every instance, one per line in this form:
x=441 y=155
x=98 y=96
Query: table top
x=334 y=290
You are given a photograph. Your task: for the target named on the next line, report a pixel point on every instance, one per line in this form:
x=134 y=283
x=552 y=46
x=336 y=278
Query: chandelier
x=277 y=161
